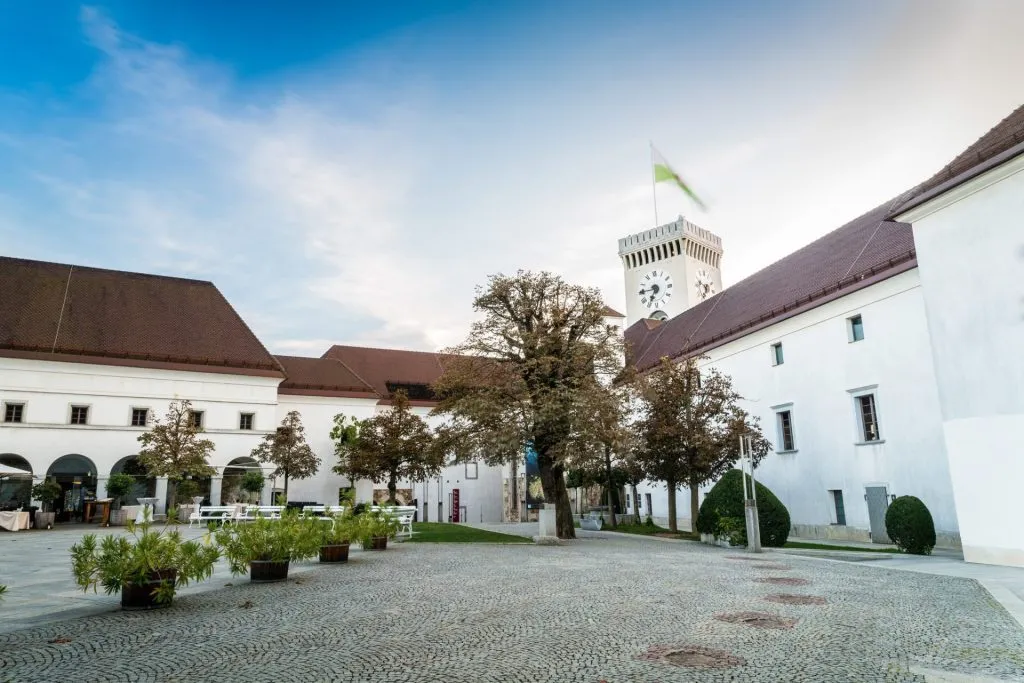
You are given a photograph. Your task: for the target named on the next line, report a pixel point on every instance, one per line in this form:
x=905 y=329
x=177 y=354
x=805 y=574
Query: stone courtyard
x=597 y=609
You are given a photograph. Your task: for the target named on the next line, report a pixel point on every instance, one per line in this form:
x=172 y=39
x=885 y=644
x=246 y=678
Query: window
x=647 y=502
x=471 y=470
x=79 y=415
x=777 y=353
x=837 y=501
x=785 y=418
x=197 y=419
x=868 y=417
x=855 y=328
x=245 y=420
x=140 y=417
x=14 y=412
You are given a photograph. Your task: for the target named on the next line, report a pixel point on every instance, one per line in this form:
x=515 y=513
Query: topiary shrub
x=910 y=526
x=725 y=499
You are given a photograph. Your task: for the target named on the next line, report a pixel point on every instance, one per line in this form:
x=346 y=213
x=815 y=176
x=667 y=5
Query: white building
x=88 y=357
x=873 y=374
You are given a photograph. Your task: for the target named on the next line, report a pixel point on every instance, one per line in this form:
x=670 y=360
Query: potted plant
x=252 y=483
x=48 y=492
x=335 y=536
x=376 y=527
x=146 y=569
x=118 y=487
x=265 y=547
x=186 y=489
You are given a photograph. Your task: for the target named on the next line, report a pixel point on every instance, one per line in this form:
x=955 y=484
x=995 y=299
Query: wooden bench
x=268 y=511
x=215 y=513
x=404 y=513
x=322 y=510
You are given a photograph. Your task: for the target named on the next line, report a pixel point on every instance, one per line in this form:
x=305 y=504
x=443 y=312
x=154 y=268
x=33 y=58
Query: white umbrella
x=7 y=470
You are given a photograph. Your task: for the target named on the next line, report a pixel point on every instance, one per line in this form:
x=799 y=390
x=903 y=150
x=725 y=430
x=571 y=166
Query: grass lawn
x=651 y=530
x=439 y=532
x=824 y=546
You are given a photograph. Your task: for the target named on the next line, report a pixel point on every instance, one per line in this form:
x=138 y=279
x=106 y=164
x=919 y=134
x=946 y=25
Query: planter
x=266 y=571
x=378 y=543
x=139 y=596
x=591 y=523
x=330 y=554
x=117 y=517
x=45 y=520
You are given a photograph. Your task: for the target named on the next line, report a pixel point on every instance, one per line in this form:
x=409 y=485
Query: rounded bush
x=725 y=499
x=910 y=526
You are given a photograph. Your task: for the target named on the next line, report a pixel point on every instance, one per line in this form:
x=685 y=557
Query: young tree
x=524 y=374
x=690 y=428
x=286 y=448
x=390 y=446
x=606 y=431
x=173 y=448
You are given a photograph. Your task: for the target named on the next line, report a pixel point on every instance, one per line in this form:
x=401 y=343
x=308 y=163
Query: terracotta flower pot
x=330 y=554
x=266 y=571
x=139 y=596
x=378 y=543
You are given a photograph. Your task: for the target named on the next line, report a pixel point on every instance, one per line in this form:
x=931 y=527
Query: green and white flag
x=664 y=173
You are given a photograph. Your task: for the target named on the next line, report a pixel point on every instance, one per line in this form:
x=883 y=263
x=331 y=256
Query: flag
x=664 y=173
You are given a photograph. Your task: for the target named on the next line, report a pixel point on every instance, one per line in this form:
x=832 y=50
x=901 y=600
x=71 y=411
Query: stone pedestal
x=216 y=484
x=753 y=526
x=548 y=524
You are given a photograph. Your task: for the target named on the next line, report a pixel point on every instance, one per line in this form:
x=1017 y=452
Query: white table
x=15 y=521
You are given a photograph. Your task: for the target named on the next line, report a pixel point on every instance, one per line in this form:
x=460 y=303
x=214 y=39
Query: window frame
x=22 y=404
x=71 y=413
x=131 y=416
x=476 y=470
x=778 y=355
x=201 y=423
x=861 y=432
x=779 y=431
x=837 y=504
x=252 y=421
x=851 y=328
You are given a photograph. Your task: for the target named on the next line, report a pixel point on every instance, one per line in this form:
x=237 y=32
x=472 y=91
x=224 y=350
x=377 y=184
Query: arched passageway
x=145 y=485
x=231 y=488
x=15 y=489
x=76 y=475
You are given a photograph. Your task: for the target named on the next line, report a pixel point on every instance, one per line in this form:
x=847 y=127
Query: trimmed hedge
x=725 y=499
x=910 y=526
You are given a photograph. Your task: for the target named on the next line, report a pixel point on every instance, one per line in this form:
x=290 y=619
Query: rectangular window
x=868 y=417
x=79 y=415
x=197 y=419
x=246 y=420
x=472 y=471
x=837 y=502
x=785 y=418
x=855 y=328
x=777 y=358
x=140 y=417
x=13 y=412
x=647 y=502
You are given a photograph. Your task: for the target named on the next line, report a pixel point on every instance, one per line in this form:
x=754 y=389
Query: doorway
x=76 y=475
x=878 y=502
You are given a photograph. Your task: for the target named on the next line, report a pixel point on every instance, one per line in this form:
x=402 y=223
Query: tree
x=391 y=446
x=173 y=448
x=605 y=426
x=690 y=428
x=287 y=450
x=523 y=376
x=345 y=434
x=633 y=474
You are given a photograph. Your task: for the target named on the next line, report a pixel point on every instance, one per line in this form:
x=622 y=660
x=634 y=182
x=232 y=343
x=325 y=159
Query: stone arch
x=231 y=489
x=15 y=489
x=145 y=485
x=76 y=475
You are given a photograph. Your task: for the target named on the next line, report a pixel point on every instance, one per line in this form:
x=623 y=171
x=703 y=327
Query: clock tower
x=669 y=268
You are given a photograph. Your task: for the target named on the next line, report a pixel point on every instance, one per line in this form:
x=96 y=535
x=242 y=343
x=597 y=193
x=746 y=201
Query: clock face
x=704 y=285
x=655 y=288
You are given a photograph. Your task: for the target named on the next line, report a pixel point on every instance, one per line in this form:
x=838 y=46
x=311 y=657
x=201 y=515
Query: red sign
x=455 y=505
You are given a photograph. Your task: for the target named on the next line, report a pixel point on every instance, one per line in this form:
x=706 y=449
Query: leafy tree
x=391 y=446
x=287 y=450
x=173 y=448
x=345 y=434
x=524 y=377
x=252 y=483
x=605 y=425
x=633 y=474
x=689 y=428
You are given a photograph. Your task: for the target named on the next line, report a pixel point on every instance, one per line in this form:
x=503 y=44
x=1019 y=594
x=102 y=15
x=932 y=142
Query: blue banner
x=534 y=489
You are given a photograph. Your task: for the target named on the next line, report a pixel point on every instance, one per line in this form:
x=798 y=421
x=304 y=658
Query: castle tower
x=670 y=268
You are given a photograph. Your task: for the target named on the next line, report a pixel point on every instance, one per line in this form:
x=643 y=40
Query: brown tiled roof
x=610 y=312
x=321 y=377
x=989 y=149
x=862 y=252
x=380 y=367
x=74 y=313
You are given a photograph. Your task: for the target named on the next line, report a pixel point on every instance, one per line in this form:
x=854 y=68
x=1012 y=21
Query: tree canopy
x=287 y=450
x=173 y=448
x=525 y=375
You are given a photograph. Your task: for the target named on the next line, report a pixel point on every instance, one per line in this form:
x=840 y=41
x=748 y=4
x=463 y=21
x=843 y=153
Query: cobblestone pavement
x=592 y=610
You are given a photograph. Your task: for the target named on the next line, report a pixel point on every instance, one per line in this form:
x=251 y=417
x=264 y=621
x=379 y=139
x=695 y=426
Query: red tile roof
x=381 y=367
x=321 y=377
x=866 y=250
x=610 y=312
x=60 y=312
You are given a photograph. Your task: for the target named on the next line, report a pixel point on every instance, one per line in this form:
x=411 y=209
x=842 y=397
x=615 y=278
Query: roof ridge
x=381 y=348
x=357 y=376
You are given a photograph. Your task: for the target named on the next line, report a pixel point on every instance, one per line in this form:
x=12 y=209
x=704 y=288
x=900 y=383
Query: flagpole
x=654 y=184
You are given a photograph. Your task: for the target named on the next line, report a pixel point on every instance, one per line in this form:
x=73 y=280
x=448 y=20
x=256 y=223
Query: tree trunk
x=552 y=479
x=636 y=505
x=392 y=491
x=694 y=505
x=514 y=493
x=172 y=494
x=672 y=526
x=286 y=486
x=608 y=472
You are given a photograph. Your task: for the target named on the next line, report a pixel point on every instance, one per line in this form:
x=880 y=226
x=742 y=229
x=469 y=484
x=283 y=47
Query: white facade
x=822 y=374
x=970 y=243
x=670 y=268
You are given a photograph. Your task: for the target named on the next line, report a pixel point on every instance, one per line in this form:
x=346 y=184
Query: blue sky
x=349 y=175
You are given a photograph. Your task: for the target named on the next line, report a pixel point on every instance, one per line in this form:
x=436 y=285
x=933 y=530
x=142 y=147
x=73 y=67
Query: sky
x=351 y=174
